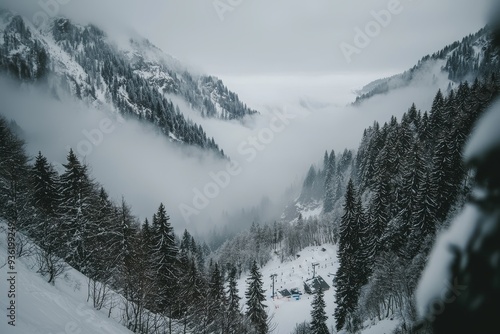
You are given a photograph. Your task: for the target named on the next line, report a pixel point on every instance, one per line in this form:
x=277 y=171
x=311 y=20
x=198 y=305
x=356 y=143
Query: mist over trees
x=99 y=73
x=389 y=200
x=382 y=204
x=164 y=280
x=406 y=182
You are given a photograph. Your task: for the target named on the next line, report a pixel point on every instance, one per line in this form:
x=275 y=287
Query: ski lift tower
x=315 y=264
x=273 y=277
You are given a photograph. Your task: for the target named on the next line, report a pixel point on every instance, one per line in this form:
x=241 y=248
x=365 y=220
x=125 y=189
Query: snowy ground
x=312 y=213
x=288 y=312
x=45 y=309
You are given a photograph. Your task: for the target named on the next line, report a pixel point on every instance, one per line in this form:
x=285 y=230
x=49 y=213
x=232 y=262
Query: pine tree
x=14 y=183
x=185 y=246
x=425 y=213
x=413 y=174
x=45 y=183
x=46 y=229
x=164 y=260
x=424 y=133
x=125 y=236
x=437 y=114
x=441 y=178
x=347 y=278
x=78 y=193
x=325 y=162
x=193 y=297
x=318 y=314
x=367 y=244
x=137 y=276
x=424 y=219
x=46 y=200
x=379 y=211
x=348 y=225
x=217 y=299
x=256 y=310
x=234 y=316
x=329 y=200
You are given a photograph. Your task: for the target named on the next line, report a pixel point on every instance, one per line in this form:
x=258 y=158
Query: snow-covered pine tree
x=413 y=173
x=325 y=163
x=424 y=218
x=442 y=170
x=125 y=238
x=255 y=294
x=46 y=226
x=234 y=315
x=347 y=277
x=378 y=212
x=136 y=275
x=14 y=184
x=185 y=245
x=367 y=244
x=329 y=200
x=45 y=182
x=193 y=297
x=164 y=261
x=318 y=314
x=78 y=197
x=437 y=115
x=217 y=300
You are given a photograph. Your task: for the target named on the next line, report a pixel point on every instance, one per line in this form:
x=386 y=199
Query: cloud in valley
x=272 y=151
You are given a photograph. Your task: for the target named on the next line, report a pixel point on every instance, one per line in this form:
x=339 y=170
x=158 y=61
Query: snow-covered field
x=45 y=309
x=287 y=312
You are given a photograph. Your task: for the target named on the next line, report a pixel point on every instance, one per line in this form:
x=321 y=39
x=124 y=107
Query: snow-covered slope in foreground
x=287 y=312
x=45 y=309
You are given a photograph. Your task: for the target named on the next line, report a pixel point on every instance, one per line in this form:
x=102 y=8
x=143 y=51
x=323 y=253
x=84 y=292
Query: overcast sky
x=284 y=36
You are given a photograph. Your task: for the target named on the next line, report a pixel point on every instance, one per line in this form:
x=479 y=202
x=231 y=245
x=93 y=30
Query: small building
x=313 y=284
x=295 y=293
x=285 y=293
x=292 y=293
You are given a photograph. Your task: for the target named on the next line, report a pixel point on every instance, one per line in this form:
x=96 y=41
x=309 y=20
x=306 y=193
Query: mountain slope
x=135 y=79
x=471 y=58
x=207 y=94
x=43 y=309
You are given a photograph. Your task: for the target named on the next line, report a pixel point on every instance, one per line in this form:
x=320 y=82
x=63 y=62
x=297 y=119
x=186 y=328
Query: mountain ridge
x=84 y=62
x=465 y=60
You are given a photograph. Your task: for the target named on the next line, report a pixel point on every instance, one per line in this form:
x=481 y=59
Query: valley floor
x=287 y=312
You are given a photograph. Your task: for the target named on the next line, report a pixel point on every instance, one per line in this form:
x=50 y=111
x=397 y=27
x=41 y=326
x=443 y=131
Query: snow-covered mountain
x=471 y=58
x=134 y=78
x=206 y=94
